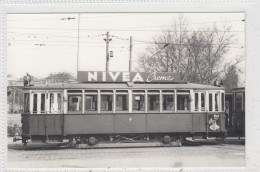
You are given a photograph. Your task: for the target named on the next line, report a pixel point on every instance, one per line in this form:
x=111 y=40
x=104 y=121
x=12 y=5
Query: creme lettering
x=138 y=77
x=92 y=76
x=114 y=77
x=151 y=77
x=126 y=76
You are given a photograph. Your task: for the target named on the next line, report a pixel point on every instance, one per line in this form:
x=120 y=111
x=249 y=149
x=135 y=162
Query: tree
x=230 y=80
x=195 y=55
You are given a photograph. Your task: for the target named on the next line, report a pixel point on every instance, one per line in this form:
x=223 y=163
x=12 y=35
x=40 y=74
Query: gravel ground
x=219 y=155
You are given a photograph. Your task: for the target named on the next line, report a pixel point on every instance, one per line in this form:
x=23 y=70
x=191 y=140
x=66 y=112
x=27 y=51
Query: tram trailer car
x=235 y=112
x=115 y=112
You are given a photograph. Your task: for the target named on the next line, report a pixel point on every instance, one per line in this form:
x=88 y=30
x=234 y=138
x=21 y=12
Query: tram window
x=168 y=102
x=202 y=101
x=59 y=102
x=196 y=101
x=183 y=102
x=238 y=101
x=138 y=91
x=153 y=91
x=91 y=91
x=168 y=91
x=26 y=102
x=121 y=102
x=106 y=102
x=210 y=102
x=34 y=103
x=75 y=103
x=42 y=103
x=74 y=91
x=106 y=91
x=222 y=102
x=153 y=102
x=122 y=91
x=138 y=102
x=216 y=102
x=91 y=102
x=183 y=91
x=55 y=102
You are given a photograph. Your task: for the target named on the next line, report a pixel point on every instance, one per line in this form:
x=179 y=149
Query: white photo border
x=249 y=7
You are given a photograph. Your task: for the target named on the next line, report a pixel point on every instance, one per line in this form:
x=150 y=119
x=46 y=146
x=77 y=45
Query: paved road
x=222 y=155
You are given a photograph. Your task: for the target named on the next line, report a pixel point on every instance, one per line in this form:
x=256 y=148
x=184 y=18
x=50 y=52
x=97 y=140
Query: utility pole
x=78 y=46
x=107 y=51
x=130 y=55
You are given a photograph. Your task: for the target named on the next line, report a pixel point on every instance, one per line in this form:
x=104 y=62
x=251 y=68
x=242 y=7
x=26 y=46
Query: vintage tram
x=122 y=107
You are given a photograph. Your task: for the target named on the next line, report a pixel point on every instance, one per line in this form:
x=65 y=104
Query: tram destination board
x=98 y=76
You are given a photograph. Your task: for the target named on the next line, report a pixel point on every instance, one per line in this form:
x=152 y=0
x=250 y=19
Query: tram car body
x=235 y=112
x=91 y=112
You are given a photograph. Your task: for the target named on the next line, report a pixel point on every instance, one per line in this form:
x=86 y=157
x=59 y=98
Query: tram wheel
x=166 y=139
x=92 y=141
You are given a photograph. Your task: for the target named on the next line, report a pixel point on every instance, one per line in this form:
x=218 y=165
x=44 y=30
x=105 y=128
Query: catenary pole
x=107 y=52
x=130 y=54
x=78 y=46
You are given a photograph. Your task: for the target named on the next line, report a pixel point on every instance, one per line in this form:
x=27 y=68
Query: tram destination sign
x=98 y=76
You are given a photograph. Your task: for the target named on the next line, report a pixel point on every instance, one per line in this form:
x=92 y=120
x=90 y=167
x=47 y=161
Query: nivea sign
x=97 y=76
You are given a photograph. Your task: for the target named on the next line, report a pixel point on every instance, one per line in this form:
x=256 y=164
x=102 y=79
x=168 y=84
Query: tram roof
x=124 y=86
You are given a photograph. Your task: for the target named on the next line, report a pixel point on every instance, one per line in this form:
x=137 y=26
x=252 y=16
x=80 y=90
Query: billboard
x=98 y=76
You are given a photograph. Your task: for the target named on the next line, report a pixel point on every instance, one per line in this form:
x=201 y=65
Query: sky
x=41 y=44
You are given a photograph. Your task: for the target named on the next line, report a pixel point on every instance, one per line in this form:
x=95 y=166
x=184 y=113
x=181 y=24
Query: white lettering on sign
x=153 y=77
x=104 y=76
x=126 y=76
x=114 y=76
x=138 y=77
x=92 y=76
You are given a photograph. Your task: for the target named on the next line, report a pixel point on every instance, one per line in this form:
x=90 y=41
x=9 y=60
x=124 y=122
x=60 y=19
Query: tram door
x=228 y=110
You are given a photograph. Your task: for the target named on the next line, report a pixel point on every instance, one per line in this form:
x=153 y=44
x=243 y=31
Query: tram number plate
x=214 y=122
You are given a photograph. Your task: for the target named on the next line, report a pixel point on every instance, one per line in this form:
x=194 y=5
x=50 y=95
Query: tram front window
x=216 y=102
x=168 y=103
x=75 y=103
x=202 y=102
x=210 y=102
x=121 y=102
x=106 y=102
x=138 y=102
x=35 y=103
x=183 y=102
x=196 y=101
x=153 y=102
x=91 y=102
x=42 y=103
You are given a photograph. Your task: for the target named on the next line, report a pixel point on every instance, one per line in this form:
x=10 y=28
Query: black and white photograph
x=127 y=90
x=116 y=90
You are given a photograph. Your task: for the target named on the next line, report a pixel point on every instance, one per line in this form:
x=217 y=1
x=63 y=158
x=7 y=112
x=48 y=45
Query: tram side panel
x=88 y=124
